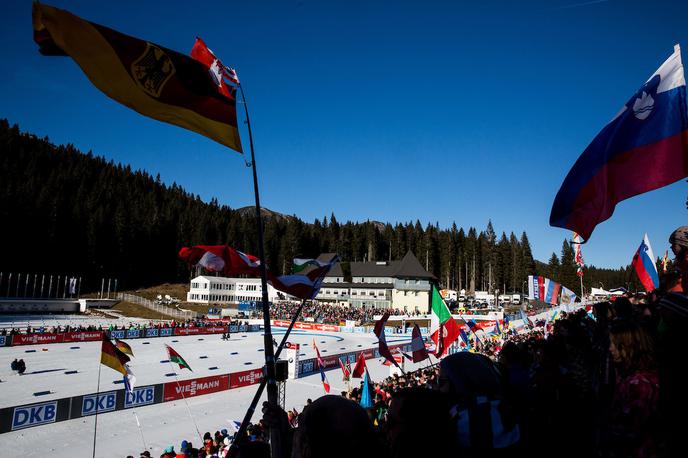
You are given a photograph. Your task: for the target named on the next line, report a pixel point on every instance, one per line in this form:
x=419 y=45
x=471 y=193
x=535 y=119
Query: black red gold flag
x=151 y=79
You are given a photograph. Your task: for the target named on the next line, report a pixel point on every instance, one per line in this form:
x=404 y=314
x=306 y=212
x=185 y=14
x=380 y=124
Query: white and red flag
x=221 y=258
x=217 y=70
x=360 y=367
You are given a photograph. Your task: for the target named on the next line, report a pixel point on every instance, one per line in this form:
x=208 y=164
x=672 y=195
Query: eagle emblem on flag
x=152 y=70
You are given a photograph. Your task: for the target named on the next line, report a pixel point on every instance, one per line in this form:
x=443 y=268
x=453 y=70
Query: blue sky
x=389 y=111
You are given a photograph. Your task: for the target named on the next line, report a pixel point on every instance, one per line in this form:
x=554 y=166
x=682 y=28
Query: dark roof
x=326 y=257
x=358 y=285
x=408 y=267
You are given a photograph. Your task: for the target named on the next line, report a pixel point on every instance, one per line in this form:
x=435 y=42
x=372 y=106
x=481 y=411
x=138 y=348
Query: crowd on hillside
x=604 y=382
x=328 y=313
x=141 y=326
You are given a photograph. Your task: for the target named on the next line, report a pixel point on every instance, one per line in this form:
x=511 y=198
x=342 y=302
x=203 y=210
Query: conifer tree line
x=65 y=212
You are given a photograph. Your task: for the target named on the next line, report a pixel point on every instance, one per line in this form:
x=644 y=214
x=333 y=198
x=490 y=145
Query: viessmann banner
x=195 y=387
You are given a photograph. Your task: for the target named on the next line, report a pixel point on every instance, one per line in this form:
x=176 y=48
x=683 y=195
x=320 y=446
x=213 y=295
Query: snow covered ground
x=161 y=424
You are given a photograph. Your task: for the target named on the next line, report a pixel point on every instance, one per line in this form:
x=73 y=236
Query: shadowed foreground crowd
x=609 y=382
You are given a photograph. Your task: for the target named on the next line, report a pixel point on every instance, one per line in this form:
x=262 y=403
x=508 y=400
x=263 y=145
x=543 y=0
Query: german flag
x=151 y=79
x=112 y=357
x=123 y=347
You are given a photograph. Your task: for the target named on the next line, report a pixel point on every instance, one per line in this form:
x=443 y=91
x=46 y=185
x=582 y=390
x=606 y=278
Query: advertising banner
x=326 y=327
x=34 y=415
x=280 y=323
x=300 y=325
x=165 y=332
x=186 y=331
x=151 y=332
x=35 y=339
x=83 y=336
x=118 y=334
x=133 y=334
x=102 y=402
x=3 y=341
x=245 y=378
x=195 y=387
x=139 y=396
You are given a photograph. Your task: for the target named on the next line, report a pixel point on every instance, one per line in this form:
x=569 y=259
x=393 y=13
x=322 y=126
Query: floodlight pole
x=270 y=374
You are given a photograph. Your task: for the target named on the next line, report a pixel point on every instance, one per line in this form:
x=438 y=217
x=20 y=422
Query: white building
x=223 y=290
x=403 y=285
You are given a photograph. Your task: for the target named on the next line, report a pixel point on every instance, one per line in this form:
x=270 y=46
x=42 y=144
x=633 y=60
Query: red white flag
x=218 y=72
x=346 y=372
x=360 y=367
x=221 y=258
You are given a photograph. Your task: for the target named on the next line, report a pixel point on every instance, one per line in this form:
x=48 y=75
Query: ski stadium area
x=32 y=405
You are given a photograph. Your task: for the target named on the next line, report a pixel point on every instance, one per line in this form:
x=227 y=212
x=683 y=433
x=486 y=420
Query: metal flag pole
x=95 y=422
x=259 y=392
x=270 y=375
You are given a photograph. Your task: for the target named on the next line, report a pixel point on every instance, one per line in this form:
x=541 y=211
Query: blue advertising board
x=165 y=332
x=118 y=334
x=133 y=334
x=34 y=415
x=139 y=397
x=102 y=402
x=151 y=332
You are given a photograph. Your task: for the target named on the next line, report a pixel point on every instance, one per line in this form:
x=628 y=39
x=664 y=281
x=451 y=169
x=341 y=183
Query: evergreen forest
x=72 y=213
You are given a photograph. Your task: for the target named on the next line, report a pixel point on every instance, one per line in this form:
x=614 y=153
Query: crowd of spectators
x=603 y=381
x=329 y=313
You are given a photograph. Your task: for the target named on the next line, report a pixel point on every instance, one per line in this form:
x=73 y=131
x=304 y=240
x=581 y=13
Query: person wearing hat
x=679 y=246
x=169 y=452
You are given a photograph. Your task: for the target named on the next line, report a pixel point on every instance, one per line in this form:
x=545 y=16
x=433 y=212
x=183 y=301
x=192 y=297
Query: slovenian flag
x=642 y=148
x=644 y=265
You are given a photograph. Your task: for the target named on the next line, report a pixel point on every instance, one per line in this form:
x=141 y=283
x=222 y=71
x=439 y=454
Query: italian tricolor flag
x=177 y=358
x=443 y=328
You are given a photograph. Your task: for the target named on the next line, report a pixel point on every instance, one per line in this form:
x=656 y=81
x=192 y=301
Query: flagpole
x=176 y=377
x=145 y=447
x=275 y=438
x=259 y=392
x=95 y=424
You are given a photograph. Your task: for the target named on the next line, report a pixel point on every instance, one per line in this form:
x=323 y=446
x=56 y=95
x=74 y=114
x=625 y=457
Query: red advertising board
x=245 y=378
x=195 y=387
x=195 y=331
x=35 y=339
x=300 y=325
x=185 y=331
x=83 y=336
x=307 y=326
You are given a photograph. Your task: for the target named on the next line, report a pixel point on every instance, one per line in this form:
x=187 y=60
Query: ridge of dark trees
x=65 y=212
